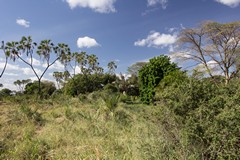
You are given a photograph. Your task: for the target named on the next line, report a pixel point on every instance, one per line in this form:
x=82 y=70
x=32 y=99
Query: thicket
x=208 y=113
x=151 y=74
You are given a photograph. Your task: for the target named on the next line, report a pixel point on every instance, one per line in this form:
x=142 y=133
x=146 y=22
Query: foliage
x=5 y=92
x=46 y=51
x=110 y=88
x=128 y=85
x=111 y=100
x=47 y=88
x=209 y=113
x=133 y=86
x=151 y=74
x=82 y=84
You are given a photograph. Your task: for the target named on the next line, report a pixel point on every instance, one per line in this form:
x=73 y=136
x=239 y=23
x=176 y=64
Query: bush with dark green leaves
x=47 y=88
x=209 y=114
x=82 y=84
x=151 y=74
x=5 y=92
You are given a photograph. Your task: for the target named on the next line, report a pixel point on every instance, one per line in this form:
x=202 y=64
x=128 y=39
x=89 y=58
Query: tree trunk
x=227 y=79
x=39 y=87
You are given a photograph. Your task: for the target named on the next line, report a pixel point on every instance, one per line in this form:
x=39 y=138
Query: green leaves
x=151 y=74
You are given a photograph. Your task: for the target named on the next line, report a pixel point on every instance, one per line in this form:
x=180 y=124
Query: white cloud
x=163 y=3
x=156 y=39
x=179 y=56
x=11 y=74
x=230 y=3
x=213 y=66
x=86 y=42
x=23 y=22
x=35 y=61
x=29 y=71
x=101 y=6
x=9 y=66
x=34 y=78
x=57 y=65
x=8 y=83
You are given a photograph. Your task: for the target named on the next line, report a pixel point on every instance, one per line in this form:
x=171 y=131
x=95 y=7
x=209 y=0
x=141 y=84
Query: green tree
x=5 y=92
x=47 y=88
x=45 y=51
x=81 y=85
x=151 y=74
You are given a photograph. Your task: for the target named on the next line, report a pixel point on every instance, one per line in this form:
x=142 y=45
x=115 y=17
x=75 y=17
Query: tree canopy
x=214 y=46
x=45 y=51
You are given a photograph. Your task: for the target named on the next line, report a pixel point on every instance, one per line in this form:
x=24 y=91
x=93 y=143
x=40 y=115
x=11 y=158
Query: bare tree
x=134 y=68
x=214 y=46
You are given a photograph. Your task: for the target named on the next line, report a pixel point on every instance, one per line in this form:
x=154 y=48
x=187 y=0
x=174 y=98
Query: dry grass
x=69 y=129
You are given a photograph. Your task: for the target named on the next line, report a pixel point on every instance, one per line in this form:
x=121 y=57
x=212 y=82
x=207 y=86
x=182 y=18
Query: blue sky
x=126 y=31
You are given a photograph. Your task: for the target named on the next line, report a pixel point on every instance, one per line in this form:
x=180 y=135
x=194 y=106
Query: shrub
x=111 y=101
x=210 y=115
x=151 y=74
x=47 y=88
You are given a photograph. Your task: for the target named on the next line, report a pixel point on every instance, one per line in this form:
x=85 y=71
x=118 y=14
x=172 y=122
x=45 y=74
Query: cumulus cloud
x=213 y=66
x=34 y=78
x=163 y=3
x=101 y=6
x=57 y=65
x=11 y=74
x=230 y=3
x=180 y=56
x=156 y=39
x=9 y=66
x=29 y=71
x=86 y=42
x=34 y=61
x=23 y=22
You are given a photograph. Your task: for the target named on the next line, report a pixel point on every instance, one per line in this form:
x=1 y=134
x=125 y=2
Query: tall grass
x=70 y=129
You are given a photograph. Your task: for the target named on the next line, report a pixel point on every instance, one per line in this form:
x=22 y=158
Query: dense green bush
x=47 y=88
x=210 y=114
x=82 y=84
x=5 y=92
x=151 y=74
